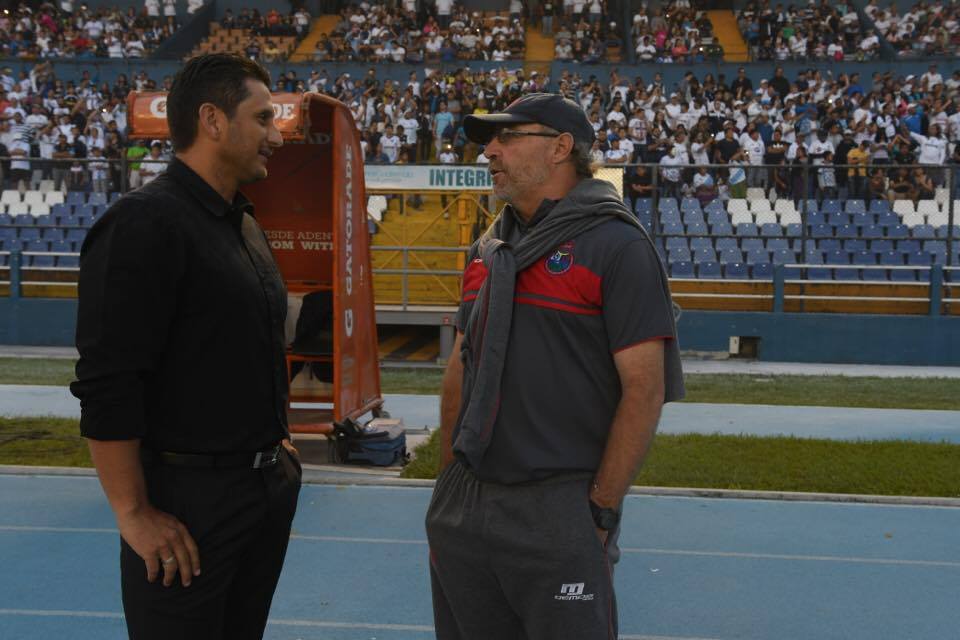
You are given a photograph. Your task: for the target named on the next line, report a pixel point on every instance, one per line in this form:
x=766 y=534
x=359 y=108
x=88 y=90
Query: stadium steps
x=323 y=24
x=727 y=34
x=539 y=52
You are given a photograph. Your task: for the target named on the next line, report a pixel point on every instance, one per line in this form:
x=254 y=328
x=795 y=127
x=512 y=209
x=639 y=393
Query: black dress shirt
x=180 y=325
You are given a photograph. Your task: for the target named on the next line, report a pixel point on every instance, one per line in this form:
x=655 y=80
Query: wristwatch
x=606 y=519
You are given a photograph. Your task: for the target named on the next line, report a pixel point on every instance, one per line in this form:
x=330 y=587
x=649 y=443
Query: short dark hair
x=217 y=78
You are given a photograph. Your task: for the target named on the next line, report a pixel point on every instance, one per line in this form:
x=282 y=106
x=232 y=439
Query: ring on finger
x=169 y=561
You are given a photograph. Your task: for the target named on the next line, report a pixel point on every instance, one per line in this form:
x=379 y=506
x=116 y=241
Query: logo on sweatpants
x=573 y=592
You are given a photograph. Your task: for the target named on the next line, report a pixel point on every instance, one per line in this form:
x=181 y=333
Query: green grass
x=782 y=464
x=40 y=371
x=43 y=441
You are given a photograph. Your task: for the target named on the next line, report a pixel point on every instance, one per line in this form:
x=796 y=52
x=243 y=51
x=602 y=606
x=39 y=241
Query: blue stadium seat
x=891 y=258
x=819 y=273
x=920 y=258
x=879 y=206
x=898 y=231
x=875 y=275
x=846 y=274
x=697 y=229
x=924 y=231
x=45 y=220
x=5 y=219
x=97 y=197
x=794 y=230
x=681 y=269
x=60 y=247
x=86 y=210
x=701 y=242
x=721 y=229
x=643 y=204
x=784 y=256
x=75 y=197
x=864 y=257
x=29 y=234
x=838 y=219
x=23 y=220
x=709 y=270
x=758 y=256
x=8 y=234
x=831 y=206
x=943 y=231
x=881 y=246
x=84 y=221
x=70 y=221
x=76 y=235
x=762 y=271
x=871 y=231
x=777 y=244
x=669 y=216
x=668 y=204
x=908 y=246
x=730 y=256
x=704 y=255
x=61 y=209
x=677 y=243
x=52 y=234
x=114 y=196
x=752 y=244
x=717 y=217
x=888 y=219
x=903 y=275
x=736 y=271
x=853 y=245
x=937 y=250
x=814 y=218
x=855 y=206
x=715 y=206
x=646 y=219
x=771 y=230
x=847 y=231
x=693 y=217
x=814 y=256
x=678 y=255
x=747 y=229
x=727 y=243
x=837 y=257
x=863 y=219
x=68 y=261
x=830 y=244
x=812 y=206
x=672 y=229
x=821 y=231
x=690 y=204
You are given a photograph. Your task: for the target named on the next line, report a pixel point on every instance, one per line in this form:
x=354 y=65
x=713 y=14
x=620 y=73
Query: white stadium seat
x=53 y=197
x=784 y=205
x=737 y=205
x=903 y=207
x=11 y=196
x=39 y=209
x=739 y=217
x=766 y=217
x=940 y=218
x=790 y=217
x=756 y=193
x=760 y=204
x=926 y=207
x=33 y=197
x=913 y=219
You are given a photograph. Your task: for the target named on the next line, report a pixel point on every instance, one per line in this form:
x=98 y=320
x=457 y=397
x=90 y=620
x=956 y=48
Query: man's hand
x=162 y=541
x=603 y=535
x=289 y=447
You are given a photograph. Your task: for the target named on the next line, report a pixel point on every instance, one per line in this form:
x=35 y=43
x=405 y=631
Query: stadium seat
x=76 y=235
x=815 y=217
x=23 y=220
x=76 y=197
x=53 y=197
x=794 y=230
x=693 y=217
x=39 y=209
x=709 y=270
x=898 y=231
x=730 y=256
x=903 y=207
x=914 y=219
x=5 y=219
x=919 y=258
x=762 y=271
x=821 y=231
x=846 y=274
x=679 y=254
x=721 y=229
x=86 y=210
x=715 y=206
x=97 y=197
x=690 y=204
x=757 y=256
x=737 y=206
x=726 y=243
x=47 y=186
x=747 y=229
x=790 y=217
x=52 y=234
x=756 y=193
x=888 y=219
x=830 y=244
x=908 y=246
x=716 y=217
x=811 y=205
x=940 y=218
x=33 y=197
x=60 y=210
x=942 y=196
x=783 y=206
x=937 y=250
x=865 y=257
x=891 y=258
x=831 y=206
x=741 y=217
x=677 y=243
x=10 y=196
x=784 y=256
x=927 y=207
x=751 y=244
x=672 y=229
x=837 y=257
x=60 y=246
x=704 y=254
x=681 y=269
x=874 y=275
x=943 y=231
x=736 y=271
x=701 y=242
x=819 y=273
x=854 y=245
x=643 y=204
x=847 y=231
x=855 y=206
x=68 y=262
x=838 y=219
x=903 y=275
x=697 y=229
x=766 y=217
x=863 y=219
x=879 y=206
x=771 y=230
x=923 y=231
x=759 y=206
x=669 y=216
x=881 y=246
x=776 y=244
x=29 y=234
x=871 y=231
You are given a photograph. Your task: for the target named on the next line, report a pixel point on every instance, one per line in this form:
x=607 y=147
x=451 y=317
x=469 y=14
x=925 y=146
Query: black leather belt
x=254 y=460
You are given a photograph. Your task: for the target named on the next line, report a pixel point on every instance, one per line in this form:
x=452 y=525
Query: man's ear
x=212 y=121
x=564 y=148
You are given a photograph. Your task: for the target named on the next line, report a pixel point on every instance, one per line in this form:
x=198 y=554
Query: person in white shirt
x=390 y=144
x=930 y=79
x=193 y=6
x=99 y=170
x=153 y=165
x=819 y=147
x=413 y=84
x=615 y=155
x=670 y=174
x=933 y=150
x=447 y=155
x=170 y=8
x=153 y=8
x=134 y=46
x=870 y=43
x=754 y=149
x=680 y=147
x=410 y=126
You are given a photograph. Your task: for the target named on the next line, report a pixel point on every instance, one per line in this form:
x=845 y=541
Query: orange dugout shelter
x=312 y=208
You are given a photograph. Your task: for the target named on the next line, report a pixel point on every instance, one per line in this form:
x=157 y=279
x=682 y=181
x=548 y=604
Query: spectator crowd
x=925 y=30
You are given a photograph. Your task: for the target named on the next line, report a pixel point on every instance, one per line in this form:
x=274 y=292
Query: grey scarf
x=505 y=254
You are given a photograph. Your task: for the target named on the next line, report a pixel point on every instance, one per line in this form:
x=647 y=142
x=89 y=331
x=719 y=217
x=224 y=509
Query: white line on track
x=369 y=626
x=630 y=550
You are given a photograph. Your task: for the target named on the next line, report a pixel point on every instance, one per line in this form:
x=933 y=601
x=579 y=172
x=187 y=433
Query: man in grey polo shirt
x=567 y=351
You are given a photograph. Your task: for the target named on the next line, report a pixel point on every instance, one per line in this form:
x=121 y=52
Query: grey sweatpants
x=518 y=562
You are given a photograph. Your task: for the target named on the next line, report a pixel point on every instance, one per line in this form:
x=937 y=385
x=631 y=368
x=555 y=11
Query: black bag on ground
x=379 y=443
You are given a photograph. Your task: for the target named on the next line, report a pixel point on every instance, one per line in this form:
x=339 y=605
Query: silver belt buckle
x=260 y=461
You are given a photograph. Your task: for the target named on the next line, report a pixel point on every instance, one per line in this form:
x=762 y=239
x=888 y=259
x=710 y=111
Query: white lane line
x=630 y=550
x=784 y=556
x=370 y=626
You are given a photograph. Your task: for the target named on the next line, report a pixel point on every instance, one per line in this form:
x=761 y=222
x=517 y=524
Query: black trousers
x=240 y=519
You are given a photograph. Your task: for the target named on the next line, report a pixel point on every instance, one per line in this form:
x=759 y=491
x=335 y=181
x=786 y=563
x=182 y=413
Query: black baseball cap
x=549 y=109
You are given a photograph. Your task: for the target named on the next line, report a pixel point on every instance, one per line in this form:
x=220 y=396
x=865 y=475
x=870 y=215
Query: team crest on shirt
x=560 y=260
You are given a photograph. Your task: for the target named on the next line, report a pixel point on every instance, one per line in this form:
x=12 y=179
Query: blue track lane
x=691 y=569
